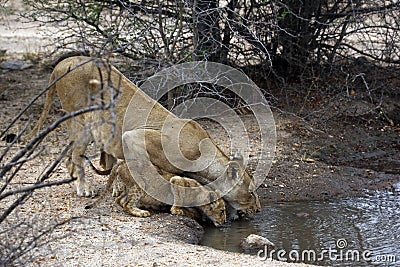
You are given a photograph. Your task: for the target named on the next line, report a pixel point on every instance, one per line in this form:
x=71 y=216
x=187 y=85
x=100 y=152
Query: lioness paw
x=83 y=189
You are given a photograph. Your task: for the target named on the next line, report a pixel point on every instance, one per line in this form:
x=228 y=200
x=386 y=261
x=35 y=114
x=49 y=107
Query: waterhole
x=363 y=231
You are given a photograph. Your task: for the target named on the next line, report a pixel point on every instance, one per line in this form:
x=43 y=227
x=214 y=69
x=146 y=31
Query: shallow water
x=361 y=231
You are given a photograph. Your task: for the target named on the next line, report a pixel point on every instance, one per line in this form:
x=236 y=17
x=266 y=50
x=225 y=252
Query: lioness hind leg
x=75 y=163
x=107 y=161
x=77 y=171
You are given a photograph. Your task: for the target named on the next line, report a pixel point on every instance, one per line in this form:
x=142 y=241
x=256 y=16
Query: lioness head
x=242 y=198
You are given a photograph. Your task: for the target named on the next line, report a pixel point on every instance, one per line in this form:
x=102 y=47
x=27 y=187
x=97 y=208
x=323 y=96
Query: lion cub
x=132 y=198
x=214 y=211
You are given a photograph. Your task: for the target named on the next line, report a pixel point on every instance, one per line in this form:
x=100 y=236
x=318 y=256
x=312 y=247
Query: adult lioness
x=87 y=81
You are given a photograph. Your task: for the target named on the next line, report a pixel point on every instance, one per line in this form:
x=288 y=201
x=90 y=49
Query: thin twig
x=44 y=177
x=39 y=137
x=39 y=95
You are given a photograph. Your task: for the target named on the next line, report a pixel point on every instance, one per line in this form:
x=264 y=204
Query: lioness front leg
x=176 y=210
x=140 y=146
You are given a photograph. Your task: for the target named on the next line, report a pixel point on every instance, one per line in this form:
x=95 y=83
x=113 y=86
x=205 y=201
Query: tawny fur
x=134 y=200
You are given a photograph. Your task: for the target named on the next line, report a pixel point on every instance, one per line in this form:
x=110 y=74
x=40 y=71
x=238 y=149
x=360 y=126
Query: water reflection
x=229 y=237
x=367 y=223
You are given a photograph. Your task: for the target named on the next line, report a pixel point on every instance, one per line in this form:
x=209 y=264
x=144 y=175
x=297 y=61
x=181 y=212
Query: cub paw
x=116 y=192
x=176 y=210
x=143 y=213
x=139 y=213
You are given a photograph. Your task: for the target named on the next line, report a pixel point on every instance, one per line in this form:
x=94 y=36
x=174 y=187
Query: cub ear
x=234 y=171
x=237 y=157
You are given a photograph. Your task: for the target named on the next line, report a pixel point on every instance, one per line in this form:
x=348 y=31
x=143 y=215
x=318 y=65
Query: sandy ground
x=18 y=36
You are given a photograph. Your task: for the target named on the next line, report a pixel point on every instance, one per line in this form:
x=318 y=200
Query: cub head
x=215 y=211
x=242 y=197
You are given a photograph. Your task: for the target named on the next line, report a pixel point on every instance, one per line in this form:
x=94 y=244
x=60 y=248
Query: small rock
x=303 y=215
x=308 y=160
x=15 y=65
x=254 y=243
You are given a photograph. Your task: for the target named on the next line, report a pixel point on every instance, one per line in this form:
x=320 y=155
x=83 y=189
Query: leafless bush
x=22 y=232
x=237 y=31
x=315 y=48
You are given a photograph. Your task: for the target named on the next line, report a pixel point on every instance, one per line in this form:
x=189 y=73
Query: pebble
x=254 y=243
x=303 y=215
